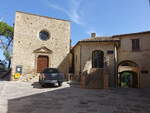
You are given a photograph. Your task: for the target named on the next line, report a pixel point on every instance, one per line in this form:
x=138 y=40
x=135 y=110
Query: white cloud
x=72 y=12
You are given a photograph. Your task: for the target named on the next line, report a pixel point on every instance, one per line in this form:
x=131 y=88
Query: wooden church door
x=42 y=63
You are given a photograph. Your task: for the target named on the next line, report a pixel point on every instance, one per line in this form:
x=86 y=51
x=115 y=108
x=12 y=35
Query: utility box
x=19 y=69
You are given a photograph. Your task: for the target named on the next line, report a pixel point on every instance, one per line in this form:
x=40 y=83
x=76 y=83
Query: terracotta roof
x=137 y=33
x=72 y=47
x=110 y=38
x=99 y=39
x=43 y=16
x=114 y=38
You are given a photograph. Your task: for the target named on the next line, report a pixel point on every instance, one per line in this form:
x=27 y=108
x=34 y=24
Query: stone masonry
x=27 y=45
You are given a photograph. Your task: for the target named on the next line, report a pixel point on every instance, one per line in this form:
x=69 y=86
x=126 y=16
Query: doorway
x=128 y=79
x=42 y=63
x=128 y=74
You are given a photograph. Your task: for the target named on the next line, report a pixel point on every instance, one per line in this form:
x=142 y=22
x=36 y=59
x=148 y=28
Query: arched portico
x=128 y=74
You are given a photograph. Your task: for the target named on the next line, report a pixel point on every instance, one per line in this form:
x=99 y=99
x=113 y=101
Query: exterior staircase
x=96 y=79
x=74 y=83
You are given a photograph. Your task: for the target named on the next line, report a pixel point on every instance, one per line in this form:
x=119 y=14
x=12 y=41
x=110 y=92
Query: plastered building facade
x=120 y=58
x=138 y=58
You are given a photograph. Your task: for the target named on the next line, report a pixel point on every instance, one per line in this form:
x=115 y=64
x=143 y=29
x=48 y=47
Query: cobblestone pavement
x=19 y=97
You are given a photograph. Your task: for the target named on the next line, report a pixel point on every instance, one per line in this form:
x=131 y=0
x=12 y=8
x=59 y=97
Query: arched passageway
x=128 y=75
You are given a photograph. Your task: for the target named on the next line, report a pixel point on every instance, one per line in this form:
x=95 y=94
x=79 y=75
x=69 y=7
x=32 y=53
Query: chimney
x=93 y=35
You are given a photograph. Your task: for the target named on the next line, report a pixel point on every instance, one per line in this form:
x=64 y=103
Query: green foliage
x=6 y=30
x=7 y=55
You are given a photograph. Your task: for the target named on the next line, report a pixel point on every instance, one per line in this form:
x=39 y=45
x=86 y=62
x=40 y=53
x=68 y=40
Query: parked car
x=51 y=76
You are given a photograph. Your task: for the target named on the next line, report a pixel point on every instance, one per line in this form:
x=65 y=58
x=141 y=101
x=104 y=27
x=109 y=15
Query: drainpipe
x=80 y=60
x=115 y=64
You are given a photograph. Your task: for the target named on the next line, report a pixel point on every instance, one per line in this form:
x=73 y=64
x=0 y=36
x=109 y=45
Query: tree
x=6 y=38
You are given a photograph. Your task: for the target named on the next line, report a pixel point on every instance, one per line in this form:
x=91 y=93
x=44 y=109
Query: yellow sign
x=17 y=75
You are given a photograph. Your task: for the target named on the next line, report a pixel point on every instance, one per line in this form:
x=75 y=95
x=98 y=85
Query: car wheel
x=59 y=83
x=43 y=85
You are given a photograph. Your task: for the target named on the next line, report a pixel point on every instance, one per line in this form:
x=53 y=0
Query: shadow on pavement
x=5 y=75
x=76 y=100
x=47 y=102
x=37 y=85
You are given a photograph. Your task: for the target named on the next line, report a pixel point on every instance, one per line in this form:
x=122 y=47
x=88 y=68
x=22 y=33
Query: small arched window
x=97 y=59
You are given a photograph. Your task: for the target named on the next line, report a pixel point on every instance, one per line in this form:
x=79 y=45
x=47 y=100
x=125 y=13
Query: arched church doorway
x=42 y=63
x=128 y=74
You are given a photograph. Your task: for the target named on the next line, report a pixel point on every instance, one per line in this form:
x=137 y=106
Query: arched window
x=128 y=63
x=97 y=59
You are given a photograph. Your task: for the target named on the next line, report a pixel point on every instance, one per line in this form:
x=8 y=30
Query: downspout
x=116 y=64
x=72 y=62
x=80 y=61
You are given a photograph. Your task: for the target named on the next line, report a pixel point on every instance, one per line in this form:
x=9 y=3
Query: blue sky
x=105 y=17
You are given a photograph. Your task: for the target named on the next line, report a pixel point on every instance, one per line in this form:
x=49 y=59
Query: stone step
x=29 y=78
x=74 y=83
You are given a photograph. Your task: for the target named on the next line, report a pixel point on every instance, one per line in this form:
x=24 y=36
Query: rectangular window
x=135 y=45
x=110 y=52
x=97 y=59
x=144 y=71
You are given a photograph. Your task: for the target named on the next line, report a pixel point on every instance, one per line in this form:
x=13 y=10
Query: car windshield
x=50 y=70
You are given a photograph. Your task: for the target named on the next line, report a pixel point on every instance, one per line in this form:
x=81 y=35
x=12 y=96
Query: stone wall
x=76 y=53
x=26 y=40
x=83 y=51
x=96 y=79
x=86 y=57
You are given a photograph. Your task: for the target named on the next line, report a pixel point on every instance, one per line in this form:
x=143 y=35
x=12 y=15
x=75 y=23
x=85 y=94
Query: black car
x=51 y=76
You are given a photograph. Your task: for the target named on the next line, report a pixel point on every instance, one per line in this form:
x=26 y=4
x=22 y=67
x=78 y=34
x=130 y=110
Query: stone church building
x=40 y=42
x=97 y=62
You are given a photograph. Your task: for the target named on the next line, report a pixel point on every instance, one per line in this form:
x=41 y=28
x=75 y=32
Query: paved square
x=20 y=97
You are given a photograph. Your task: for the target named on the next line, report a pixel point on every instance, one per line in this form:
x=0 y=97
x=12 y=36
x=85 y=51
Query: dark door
x=126 y=79
x=135 y=80
x=42 y=63
x=129 y=79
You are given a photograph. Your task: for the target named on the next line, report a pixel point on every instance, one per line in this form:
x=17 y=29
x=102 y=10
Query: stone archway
x=128 y=74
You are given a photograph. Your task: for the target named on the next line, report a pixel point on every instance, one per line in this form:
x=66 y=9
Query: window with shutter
x=97 y=59
x=135 y=45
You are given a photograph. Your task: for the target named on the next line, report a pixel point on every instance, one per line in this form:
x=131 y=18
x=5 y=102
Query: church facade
x=40 y=42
